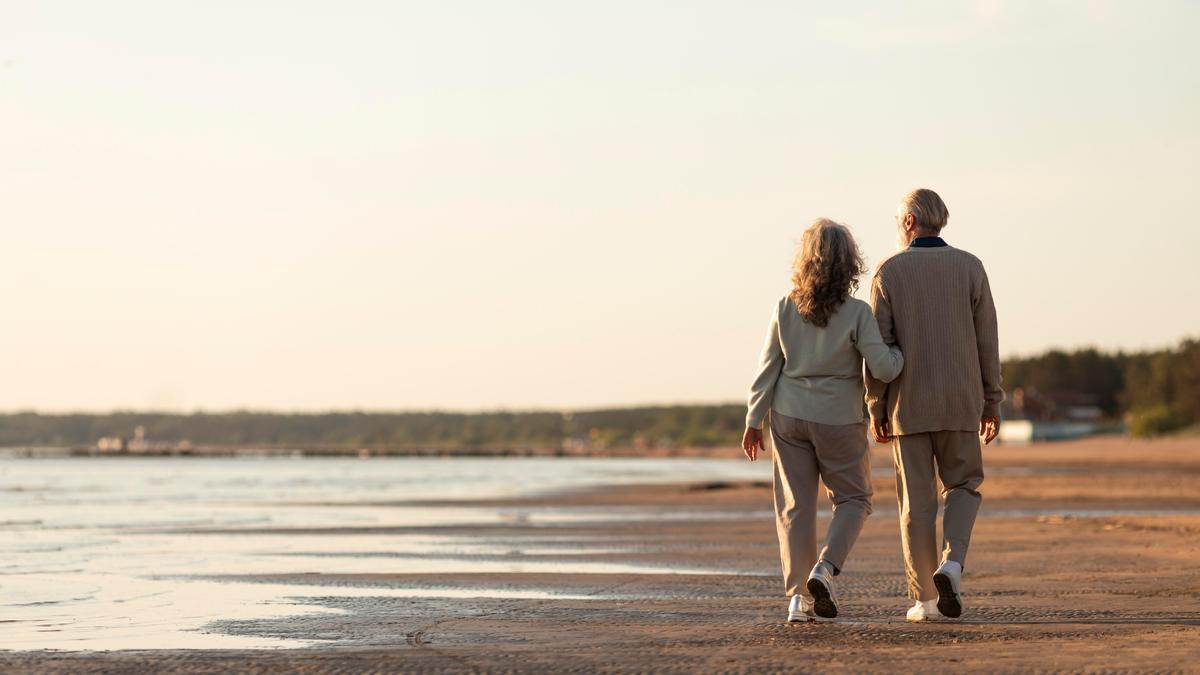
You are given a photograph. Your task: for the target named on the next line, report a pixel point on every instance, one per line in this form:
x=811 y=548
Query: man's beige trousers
x=805 y=452
x=959 y=464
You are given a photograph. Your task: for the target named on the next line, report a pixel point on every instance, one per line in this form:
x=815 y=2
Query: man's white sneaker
x=820 y=586
x=924 y=611
x=947 y=580
x=800 y=610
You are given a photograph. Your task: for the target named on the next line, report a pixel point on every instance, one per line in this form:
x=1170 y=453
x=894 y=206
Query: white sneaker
x=801 y=610
x=820 y=585
x=924 y=611
x=948 y=579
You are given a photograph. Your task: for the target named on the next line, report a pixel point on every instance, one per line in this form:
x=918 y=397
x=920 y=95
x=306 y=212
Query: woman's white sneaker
x=800 y=610
x=924 y=611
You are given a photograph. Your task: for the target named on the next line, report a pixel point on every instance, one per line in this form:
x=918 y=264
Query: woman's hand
x=752 y=440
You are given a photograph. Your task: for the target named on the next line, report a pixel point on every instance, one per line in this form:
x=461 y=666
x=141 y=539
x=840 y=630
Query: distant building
x=1031 y=415
x=121 y=444
x=112 y=444
x=138 y=444
x=1030 y=431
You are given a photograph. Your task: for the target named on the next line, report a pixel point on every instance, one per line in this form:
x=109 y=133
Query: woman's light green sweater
x=816 y=373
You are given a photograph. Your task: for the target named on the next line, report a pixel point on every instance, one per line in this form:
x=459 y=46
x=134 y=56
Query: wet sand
x=1086 y=558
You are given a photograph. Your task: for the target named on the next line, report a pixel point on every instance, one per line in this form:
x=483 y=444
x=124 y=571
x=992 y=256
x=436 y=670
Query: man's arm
x=988 y=343
x=877 y=389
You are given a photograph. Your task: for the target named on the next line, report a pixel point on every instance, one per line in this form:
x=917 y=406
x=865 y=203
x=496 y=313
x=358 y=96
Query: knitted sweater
x=937 y=305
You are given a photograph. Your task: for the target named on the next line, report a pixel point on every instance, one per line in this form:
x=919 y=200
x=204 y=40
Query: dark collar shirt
x=927 y=242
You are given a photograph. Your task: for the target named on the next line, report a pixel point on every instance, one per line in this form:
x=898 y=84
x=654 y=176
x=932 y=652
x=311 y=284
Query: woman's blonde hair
x=826 y=270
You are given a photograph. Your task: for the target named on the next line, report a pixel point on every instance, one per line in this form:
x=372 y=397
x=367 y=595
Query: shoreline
x=620 y=451
x=703 y=593
x=367 y=453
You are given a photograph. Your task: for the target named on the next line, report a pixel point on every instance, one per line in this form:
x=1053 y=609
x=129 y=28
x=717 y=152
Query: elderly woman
x=810 y=379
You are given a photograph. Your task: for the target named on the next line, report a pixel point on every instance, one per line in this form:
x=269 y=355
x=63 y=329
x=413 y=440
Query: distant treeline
x=659 y=427
x=1159 y=391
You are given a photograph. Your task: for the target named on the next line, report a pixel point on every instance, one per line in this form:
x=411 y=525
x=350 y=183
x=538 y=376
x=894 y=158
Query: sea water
x=143 y=553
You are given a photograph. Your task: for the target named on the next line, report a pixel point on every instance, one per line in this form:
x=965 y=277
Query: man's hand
x=752 y=440
x=989 y=428
x=881 y=430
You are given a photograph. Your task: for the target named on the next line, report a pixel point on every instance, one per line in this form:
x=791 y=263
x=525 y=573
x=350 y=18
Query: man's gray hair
x=927 y=208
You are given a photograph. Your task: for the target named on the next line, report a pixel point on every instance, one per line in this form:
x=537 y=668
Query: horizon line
x=501 y=409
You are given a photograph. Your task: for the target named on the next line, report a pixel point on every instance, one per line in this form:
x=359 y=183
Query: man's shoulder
x=967 y=256
x=890 y=260
x=972 y=263
x=906 y=257
x=895 y=263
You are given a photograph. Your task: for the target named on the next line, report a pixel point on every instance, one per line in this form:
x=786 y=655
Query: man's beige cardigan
x=936 y=304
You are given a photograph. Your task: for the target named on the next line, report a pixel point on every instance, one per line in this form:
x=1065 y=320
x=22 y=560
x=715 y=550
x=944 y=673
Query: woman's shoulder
x=855 y=312
x=779 y=310
x=856 y=307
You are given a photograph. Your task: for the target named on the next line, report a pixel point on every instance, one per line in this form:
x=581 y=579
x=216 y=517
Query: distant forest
x=581 y=431
x=1156 y=392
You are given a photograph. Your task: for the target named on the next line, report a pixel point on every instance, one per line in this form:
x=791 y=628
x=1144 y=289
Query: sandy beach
x=1086 y=559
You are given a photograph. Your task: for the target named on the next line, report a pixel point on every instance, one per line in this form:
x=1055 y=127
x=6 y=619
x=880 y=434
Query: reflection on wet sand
x=121 y=554
x=650 y=575
x=113 y=611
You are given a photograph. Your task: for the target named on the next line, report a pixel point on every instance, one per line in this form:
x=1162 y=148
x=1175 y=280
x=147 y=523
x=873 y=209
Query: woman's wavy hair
x=826 y=270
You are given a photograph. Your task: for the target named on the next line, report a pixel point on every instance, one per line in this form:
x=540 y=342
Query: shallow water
x=109 y=553
x=121 y=553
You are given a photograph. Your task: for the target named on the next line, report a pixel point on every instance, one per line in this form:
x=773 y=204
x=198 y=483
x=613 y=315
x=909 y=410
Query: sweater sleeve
x=988 y=342
x=877 y=389
x=883 y=362
x=770 y=365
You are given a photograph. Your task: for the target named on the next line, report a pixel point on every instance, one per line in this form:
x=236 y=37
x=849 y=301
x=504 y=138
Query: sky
x=558 y=203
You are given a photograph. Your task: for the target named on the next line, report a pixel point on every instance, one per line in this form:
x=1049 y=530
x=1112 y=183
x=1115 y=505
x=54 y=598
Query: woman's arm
x=770 y=365
x=883 y=362
x=877 y=390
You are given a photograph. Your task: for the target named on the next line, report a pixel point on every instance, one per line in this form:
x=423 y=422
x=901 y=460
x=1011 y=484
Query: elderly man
x=934 y=301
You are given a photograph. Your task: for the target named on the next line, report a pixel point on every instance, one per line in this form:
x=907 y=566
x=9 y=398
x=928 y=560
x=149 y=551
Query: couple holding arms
x=929 y=344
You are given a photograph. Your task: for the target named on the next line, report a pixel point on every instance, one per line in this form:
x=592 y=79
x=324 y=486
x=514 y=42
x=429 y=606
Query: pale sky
x=558 y=204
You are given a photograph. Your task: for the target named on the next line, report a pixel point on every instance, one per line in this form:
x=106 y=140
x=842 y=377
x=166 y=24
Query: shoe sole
x=949 y=603
x=823 y=603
